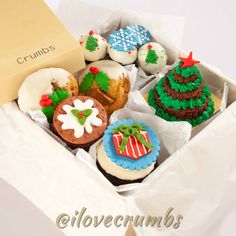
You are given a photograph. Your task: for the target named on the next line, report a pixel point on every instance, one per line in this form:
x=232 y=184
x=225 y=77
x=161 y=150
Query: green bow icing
x=81 y=115
x=131 y=130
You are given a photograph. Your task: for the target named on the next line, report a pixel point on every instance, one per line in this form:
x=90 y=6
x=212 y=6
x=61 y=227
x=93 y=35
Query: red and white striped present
x=133 y=149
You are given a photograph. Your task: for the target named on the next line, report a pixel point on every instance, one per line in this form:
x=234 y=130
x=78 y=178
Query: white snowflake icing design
x=70 y=121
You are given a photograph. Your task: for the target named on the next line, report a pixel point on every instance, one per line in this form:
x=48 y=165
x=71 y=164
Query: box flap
x=32 y=37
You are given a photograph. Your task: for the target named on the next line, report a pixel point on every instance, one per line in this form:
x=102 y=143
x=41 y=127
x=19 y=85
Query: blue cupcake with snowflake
x=128 y=152
x=123 y=43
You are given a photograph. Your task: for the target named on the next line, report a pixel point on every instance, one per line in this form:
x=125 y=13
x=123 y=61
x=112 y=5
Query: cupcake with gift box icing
x=182 y=95
x=106 y=81
x=80 y=121
x=45 y=88
x=128 y=152
x=152 y=58
x=94 y=46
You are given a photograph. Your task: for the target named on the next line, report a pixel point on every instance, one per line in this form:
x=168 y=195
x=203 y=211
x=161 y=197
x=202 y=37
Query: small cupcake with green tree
x=94 y=46
x=152 y=58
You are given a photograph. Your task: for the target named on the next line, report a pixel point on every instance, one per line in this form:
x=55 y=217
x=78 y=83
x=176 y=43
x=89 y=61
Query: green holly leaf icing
x=87 y=112
x=81 y=116
x=58 y=96
x=48 y=111
x=151 y=57
x=103 y=81
x=87 y=82
x=91 y=43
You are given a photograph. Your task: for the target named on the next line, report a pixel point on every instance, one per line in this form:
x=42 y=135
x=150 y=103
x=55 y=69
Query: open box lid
x=32 y=37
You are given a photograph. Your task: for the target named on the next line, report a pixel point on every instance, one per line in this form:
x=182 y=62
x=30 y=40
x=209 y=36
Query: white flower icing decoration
x=70 y=121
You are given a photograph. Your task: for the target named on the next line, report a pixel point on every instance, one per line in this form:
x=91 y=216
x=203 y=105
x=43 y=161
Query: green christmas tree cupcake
x=182 y=94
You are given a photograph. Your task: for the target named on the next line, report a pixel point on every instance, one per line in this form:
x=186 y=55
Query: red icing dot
x=149 y=47
x=91 y=32
x=45 y=97
x=94 y=70
x=81 y=43
x=43 y=103
x=80 y=114
x=129 y=52
x=96 y=39
x=49 y=102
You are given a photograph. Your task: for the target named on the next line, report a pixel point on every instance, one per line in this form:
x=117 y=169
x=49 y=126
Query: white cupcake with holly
x=94 y=46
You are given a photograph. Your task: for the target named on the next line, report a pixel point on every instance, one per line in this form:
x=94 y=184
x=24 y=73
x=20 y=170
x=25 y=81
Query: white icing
x=161 y=61
x=122 y=57
x=100 y=51
x=38 y=84
x=112 y=168
x=113 y=69
x=70 y=121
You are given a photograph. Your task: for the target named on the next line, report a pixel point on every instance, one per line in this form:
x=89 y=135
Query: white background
x=209 y=32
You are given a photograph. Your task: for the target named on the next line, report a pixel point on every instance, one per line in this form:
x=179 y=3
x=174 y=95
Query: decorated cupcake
x=45 y=88
x=152 y=58
x=106 y=81
x=80 y=121
x=128 y=152
x=122 y=47
x=182 y=95
x=141 y=35
x=94 y=46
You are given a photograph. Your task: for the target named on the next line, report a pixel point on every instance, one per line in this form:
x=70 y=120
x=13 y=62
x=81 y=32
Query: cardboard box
x=32 y=37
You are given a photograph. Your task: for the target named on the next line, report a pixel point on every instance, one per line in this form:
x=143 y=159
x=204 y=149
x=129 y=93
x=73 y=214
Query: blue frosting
x=122 y=40
x=128 y=163
x=142 y=35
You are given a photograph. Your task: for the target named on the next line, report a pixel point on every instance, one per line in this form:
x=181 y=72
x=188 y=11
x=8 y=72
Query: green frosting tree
x=91 y=44
x=151 y=55
x=182 y=94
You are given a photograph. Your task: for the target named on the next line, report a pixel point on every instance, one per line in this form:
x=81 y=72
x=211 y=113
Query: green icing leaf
x=186 y=71
x=84 y=115
x=176 y=104
x=178 y=87
x=91 y=44
x=75 y=112
x=194 y=122
x=58 y=96
x=82 y=120
x=87 y=82
x=151 y=57
x=87 y=112
x=103 y=81
x=48 y=111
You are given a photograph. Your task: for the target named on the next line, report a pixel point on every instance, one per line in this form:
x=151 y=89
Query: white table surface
x=209 y=32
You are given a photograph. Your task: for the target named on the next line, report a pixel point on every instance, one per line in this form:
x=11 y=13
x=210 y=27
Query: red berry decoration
x=94 y=70
x=45 y=101
x=91 y=32
x=45 y=97
x=80 y=114
x=49 y=102
x=188 y=61
x=149 y=47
